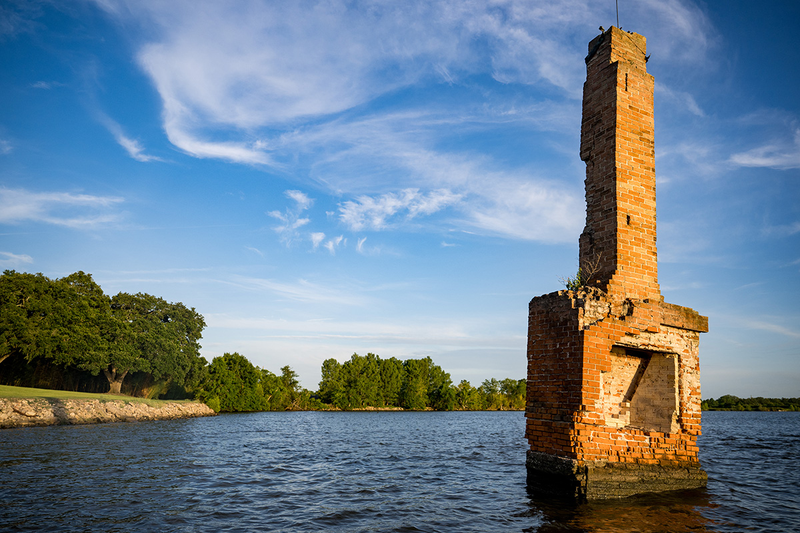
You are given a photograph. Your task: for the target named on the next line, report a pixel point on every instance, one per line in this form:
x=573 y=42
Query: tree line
x=67 y=333
x=233 y=384
x=418 y=384
x=734 y=403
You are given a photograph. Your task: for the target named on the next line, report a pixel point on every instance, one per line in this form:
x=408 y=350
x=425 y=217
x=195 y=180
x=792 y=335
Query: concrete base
x=551 y=475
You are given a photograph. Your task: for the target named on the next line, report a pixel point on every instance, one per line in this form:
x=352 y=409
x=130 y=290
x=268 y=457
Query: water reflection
x=673 y=512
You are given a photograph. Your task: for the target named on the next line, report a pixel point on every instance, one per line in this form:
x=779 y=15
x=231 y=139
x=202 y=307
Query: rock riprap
x=50 y=411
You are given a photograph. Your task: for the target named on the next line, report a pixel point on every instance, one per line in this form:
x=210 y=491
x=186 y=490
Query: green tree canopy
x=468 y=398
x=152 y=336
x=417 y=384
x=441 y=393
x=27 y=316
x=73 y=323
x=331 y=388
x=391 y=380
x=233 y=384
x=67 y=320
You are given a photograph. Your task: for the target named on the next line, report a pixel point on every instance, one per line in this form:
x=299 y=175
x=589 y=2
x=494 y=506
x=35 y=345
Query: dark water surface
x=367 y=471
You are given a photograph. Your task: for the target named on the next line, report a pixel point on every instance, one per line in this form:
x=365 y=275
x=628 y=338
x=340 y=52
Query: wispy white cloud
x=782 y=230
x=268 y=64
x=59 y=208
x=334 y=243
x=301 y=198
x=5 y=147
x=366 y=212
x=290 y=218
x=429 y=331
x=529 y=210
x=46 y=84
x=772 y=327
x=316 y=239
x=237 y=152
x=678 y=30
x=132 y=146
x=781 y=154
x=303 y=291
x=18 y=17
x=10 y=260
x=374 y=250
x=681 y=98
x=478 y=196
x=254 y=250
x=698 y=157
x=518 y=204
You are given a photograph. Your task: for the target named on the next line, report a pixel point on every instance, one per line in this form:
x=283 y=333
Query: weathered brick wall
x=667 y=423
x=554 y=373
x=580 y=372
x=618 y=146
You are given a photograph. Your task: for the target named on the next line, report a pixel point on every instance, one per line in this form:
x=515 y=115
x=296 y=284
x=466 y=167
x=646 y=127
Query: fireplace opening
x=641 y=390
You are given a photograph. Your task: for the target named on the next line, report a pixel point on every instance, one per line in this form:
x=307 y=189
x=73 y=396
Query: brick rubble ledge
x=17 y=412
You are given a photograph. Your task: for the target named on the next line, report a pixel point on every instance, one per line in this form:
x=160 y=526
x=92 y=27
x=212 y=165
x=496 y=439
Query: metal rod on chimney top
x=617 y=4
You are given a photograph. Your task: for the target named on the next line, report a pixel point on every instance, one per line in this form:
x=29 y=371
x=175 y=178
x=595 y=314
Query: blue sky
x=323 y=178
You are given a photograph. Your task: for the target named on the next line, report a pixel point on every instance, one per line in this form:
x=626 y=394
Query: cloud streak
x=132 y=146
x=779 y=154
x=10 y=260
x=57 y=208
x=427 y=332
x=771 y=327
x=302 y=291
x=683 y=99
x=46 y=85
x=268 y=64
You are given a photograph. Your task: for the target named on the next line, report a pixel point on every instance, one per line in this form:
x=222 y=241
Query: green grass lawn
x=27 y=392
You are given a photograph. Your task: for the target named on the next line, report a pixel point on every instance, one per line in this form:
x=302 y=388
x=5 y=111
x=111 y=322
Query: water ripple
x=360 y=472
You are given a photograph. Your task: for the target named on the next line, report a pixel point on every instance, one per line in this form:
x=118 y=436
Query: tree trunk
x=115 y=380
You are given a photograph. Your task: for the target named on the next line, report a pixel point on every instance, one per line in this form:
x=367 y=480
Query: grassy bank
x=27 y=392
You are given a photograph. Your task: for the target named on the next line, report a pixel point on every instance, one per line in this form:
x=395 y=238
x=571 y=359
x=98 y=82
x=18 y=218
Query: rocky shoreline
x=18 y=412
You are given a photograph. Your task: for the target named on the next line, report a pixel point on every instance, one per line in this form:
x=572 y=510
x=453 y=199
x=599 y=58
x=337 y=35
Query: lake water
x=367 y=471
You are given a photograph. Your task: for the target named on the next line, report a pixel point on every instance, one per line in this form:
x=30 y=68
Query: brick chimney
x=618 y=244
x=613 y=396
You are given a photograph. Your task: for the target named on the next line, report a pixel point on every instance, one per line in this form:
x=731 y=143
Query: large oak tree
x=73 y=323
